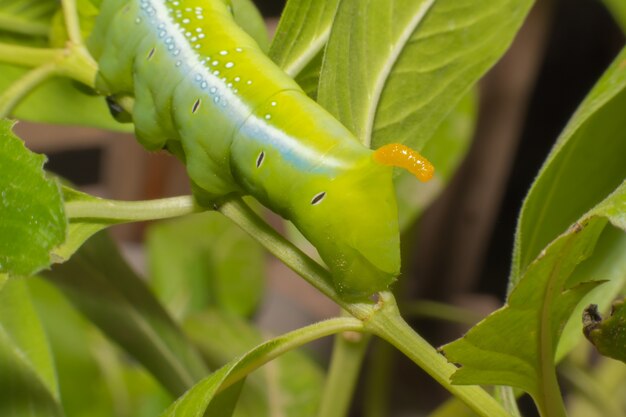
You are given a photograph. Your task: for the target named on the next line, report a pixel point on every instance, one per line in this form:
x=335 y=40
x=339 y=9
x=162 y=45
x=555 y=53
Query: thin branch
x=20 y=26
x=27 y=56
x=22 y=87
x=131 y=211
x=70 y=13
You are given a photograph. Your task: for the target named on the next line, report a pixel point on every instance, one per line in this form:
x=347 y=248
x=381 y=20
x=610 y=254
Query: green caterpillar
x=204 y=90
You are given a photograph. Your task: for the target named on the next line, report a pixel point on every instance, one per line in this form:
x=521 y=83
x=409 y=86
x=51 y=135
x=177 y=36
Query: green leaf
x=32 y=221
x=291 y=385
x=301 y=34
x=103 y=287
x=205 y=260
x=586 y=164
x=60 y=101
x=28 y=385
x=200 y=398
x=394 y=69
x=445 y=150
x=608 y=335
x=94 y=379
x=516 y=345
x=618 y=9
x=607 y=263
x=250 y=19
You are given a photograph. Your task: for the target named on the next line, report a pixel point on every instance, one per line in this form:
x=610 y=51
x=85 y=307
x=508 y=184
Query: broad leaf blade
x=28 y=385
x=95 y=380
x=608 y=335
x=395 y=68
x=445 y=150
x=607 y=263
x=32 y=220
x=250 y=19
x=302 y=33
x=517 y=345
x=100 y=283
x=204 y=261
x=586 y=164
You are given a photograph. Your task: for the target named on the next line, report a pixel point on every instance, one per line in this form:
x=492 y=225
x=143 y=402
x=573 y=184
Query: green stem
x=70 y=14
x=506 y=396
x=20 y=26
x=382 y=318
x=22 y=87
x=131 y=211
x=345 y=366
x=440 y=311
x=389 y=325
x=274 y=348
x=27 y=56
x=379 y=380
x=242 y=215
x=78 y=64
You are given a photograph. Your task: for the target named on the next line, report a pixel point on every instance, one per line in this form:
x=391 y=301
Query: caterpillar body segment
x=205 y=91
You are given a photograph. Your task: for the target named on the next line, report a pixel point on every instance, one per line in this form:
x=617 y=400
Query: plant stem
x=289 y=341
x=382 y=318
x=70 y=14
x=389 y=325
x=129 y=211
x=440 y=311
x=26 y=56
x=22 y=87
x=378 y=381
x=242 y=215
x=345 y=366
x=21 y=26
x=506 y=396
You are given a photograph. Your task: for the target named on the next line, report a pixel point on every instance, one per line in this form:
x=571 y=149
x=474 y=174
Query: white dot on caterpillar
x=216 y=99
x=237 y=79
x=249 y=82
x=197 y=46
x=223 y=53
x=201 y=36
x=213 y=90
x=185 y=21
x=239 y=49
x=198 y=30
x=204 y=84
x=229 y=65
x=216 y=72
x=273 y=103
x=179 y=63
x=268 y=116
x=215 y=63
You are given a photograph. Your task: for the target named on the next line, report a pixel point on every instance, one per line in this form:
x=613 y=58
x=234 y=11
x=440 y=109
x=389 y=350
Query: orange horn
x=401 y=156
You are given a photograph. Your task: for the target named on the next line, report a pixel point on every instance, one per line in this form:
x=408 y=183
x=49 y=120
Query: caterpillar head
x=352 y=219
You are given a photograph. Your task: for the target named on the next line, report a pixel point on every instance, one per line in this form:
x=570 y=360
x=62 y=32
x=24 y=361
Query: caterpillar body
x=205 y=91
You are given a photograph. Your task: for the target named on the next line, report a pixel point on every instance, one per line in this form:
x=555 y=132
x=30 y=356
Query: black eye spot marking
x=151 y=53
x=318 y=198
x=196 y=105
x=259 y=159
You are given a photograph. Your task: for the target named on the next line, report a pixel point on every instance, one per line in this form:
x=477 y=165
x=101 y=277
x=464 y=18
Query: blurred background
x=463 y=242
